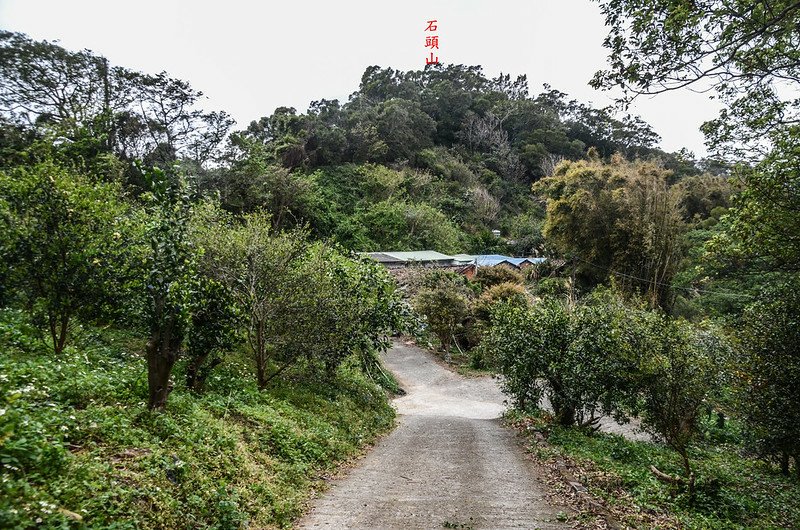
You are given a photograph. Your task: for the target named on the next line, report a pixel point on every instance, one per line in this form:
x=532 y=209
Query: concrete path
x=448 y=464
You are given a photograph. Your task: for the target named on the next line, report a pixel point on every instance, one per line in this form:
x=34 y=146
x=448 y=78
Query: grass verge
x=78 y=449
x=734 y=490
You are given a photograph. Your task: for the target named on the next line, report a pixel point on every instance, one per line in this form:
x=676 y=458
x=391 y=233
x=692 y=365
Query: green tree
x=619 y=220
x=443 y=300
x=404 y=127
x=769 y=396
x=397 y=224
x=681 y=369
x=355 y=308
x=171 y=273
x=488 y=277
x=529 y=346
x=746 y=53
x=580 y=357
x=105 y=108
x=63 y=239
x=743 y=50
x=263 y=271
x=765 y=218
x=481 y=312
x=212 y=331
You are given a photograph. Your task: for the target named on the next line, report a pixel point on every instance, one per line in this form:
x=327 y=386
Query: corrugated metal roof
x=490 y=260
x=381 y=257
x=463 y=259
x=423 y=256
x=420 y=255
x=520 y=261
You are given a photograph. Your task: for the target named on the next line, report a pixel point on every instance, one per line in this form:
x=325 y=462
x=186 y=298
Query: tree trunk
x=198 y=371
x=162 y=352
x=59 y=326
x=566 y=416
x=192 y=374
x=62 y=338
x=687 y=466
x=260 y=357
x=785 y=464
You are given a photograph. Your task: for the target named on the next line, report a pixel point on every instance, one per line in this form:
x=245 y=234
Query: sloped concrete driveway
x=448 y=464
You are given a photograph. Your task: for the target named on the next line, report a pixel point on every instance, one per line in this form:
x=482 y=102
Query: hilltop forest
x=430 y=159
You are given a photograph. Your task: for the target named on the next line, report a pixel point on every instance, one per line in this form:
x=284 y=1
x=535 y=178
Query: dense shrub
x=603 y=357
x=769 y=380
x=490 y=276
x=445 y=311
x=298 y=299
x=510 y=292
x=682 y=366
x=63 y=243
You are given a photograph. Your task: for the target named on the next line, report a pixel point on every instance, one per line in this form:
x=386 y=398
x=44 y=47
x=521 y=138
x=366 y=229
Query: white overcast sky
x=250 y=57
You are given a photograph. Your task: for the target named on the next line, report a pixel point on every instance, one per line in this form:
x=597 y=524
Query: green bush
x=76 y=440
x=63 y=243
x=510 y=292
x=491 y=276
x=768 y=390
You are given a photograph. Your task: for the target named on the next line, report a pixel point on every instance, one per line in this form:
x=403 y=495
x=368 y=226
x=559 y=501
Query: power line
x=671 y=286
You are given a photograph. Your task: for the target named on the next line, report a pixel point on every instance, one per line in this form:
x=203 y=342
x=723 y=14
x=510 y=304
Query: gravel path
x=449 y=463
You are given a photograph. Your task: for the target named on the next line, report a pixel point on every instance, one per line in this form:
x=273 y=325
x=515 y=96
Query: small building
x=466 y=264
x=425 y=258
x=524 y=263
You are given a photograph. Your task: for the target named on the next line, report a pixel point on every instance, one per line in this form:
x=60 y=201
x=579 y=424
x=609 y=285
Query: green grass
x=734 y=490
x=76 y=440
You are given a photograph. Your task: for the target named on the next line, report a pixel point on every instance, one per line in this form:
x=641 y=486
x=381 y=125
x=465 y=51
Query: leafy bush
x=682 y=366
x=445 y=311
x=575 y=356
x=605 y=357
x=76 y=441
x=491 y=276
x=510 y=292
x=298 y=300
x=529 y=345
x=768 y=390
x=63 y=243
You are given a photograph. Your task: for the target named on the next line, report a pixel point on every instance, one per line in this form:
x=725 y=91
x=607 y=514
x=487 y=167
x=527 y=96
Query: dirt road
x=448 y=464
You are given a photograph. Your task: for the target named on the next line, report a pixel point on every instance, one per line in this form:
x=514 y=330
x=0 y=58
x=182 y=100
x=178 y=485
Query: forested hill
x=431 y=159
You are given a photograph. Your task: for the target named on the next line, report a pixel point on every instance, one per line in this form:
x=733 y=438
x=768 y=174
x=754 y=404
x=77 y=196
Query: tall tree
x=745 y=50
x=769 y=397
x=619 y=220
x=80 y=95
x=170 y=277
